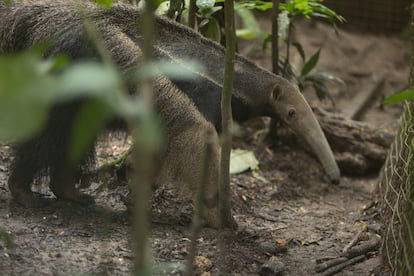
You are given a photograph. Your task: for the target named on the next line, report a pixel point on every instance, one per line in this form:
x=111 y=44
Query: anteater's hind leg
x=23 y=171
x=63 y=177
x=48 y=153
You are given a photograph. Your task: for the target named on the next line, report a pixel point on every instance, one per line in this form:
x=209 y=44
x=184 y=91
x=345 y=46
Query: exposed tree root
x=359 y=148
x=349 y=257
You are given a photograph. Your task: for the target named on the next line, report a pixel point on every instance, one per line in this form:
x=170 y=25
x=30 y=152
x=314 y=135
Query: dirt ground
x=288 y=201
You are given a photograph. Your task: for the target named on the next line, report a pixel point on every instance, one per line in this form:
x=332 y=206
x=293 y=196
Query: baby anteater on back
x=23 y=24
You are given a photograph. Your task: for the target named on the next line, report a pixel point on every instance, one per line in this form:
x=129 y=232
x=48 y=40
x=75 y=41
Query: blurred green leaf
x=163 y=8
x=323 y=92
x=251 y=27
x=311 y=9
x=29 y=87
x=325 y=76
x=5 y=240
x=25 y=95
x=181 y=70
x=148 y=131
x=53 y=64
x=245 y=34
x=211 y=30
x=323 y=11
x=104 y=3
x=89 y=121
x=267 y=39
x=88 y=79
x=205 y=7
x=310 y=64
x=404 y=95
x=299 y=47
x=256 y=4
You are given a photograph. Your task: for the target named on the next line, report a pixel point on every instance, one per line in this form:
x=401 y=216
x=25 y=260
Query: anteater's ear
x=276 y=93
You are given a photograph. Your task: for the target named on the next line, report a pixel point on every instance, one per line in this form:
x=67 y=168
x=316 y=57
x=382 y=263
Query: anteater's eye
x=291 y=113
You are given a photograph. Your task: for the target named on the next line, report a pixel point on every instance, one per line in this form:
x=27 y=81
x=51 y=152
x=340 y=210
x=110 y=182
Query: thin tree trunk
x=226 y=111
x=176 y=6
x=142 y=155
x=397 y=190
x=192 y=14
x=275 y=37
x=226 y=136
x=275 y=60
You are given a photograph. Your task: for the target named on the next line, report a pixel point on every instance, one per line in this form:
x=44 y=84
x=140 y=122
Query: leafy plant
x=207 y=24
x=289 y=12
x=309 y=9
x=308 y=74
x=405 y=95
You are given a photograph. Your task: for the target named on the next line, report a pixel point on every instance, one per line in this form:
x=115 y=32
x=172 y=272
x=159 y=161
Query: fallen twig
x=339 y=267
x=332 y=262
x=362 y=249
x=349 y=256
x=353 y=241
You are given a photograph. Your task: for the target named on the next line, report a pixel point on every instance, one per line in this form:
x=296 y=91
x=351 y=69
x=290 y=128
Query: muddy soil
x=288 y=201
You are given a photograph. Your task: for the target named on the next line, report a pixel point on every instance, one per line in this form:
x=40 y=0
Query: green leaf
x=205 y=7
x=148 y=131
x=404 y=95
x=257 y=5
x=50 y=65
x=310 y=64
x=319 y=8
x=212 y=30
x=104 y=3
x=5 y=240
x=252 y=28
x=245 y=34
x=299 y=47
x=323 y=92
x=310 y=9
x=26 y=93
x=21 y=116
x=268 y=39
x=88 y=79
x=180 y=70
x=89 y=121
x=324 y=76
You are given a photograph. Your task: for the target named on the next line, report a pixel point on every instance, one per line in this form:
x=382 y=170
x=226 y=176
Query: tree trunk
x=397 y=199
x=359 y=148
x=396 y=188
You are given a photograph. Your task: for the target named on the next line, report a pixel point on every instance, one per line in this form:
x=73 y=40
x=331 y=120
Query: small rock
x=364 y=236
x=274 y=268
x=279 y=246
x=202 y=263
x=268 y=247
x=175 y=269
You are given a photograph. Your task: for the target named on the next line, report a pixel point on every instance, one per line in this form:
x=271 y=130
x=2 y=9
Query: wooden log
x=359 y=148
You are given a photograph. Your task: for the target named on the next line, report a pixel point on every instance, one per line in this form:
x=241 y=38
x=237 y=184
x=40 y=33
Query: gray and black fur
x=257 y=92
x=26 y=23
